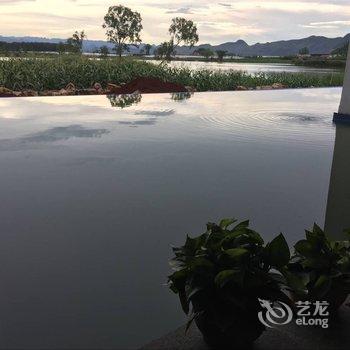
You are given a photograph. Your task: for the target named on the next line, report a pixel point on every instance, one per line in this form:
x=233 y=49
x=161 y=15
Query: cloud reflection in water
x=55 y=134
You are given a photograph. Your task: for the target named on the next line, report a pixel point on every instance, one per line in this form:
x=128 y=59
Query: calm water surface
x=250 y=68
x=92 y=197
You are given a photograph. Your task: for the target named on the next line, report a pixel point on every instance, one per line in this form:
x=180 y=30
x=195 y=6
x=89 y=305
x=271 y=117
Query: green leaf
x=297 y=282
x=192 y=291
x=347 y=231
x=191 y=319
x=317 y=229
x=241 y=225
x=184 y=302
x=322 y=286
x=256 y=237
x=237 y=253
x=278 y=251
x=305 y=248
x=225 y=223
x=223 y=277
x=177 y=280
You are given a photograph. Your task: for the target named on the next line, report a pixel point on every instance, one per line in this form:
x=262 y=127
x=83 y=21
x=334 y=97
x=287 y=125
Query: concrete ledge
x=292 y=337
x=341 y=118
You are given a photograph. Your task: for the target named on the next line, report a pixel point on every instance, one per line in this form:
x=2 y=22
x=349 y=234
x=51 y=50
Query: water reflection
x=156 y=113
x=149 y=121
x=64 y=133
x=338 y=206
x=152 y=117
x=181 y=96
x=60 y=133
x=80 y=217
x=124 y=101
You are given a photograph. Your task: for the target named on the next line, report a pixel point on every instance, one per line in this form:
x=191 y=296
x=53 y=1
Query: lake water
x=250 y=68
x=93 y=195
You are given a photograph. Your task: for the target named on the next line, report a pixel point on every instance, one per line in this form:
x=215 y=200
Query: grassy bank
x=322 y=63
x=55 y=73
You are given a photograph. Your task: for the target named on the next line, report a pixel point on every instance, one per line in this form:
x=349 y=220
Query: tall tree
x=182 y=31
x=77 y=40
x=148 y=48
x=123 y=27
x=304 y=51
x=341 y=51
x=104 y=51
x=206 y=52
x=165 y=50
x=221 y=54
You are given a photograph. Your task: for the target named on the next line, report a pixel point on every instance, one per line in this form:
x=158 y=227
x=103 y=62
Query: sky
x=217 y=21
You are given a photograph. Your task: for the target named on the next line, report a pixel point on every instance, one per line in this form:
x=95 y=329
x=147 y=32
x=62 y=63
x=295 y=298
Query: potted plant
x=220 y=276
x=320 y=269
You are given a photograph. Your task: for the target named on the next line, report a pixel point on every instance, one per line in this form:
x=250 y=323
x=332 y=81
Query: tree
x=76 y=41
x=104 y=51
x=304 y=51
x=202 y=51
x=183 y=31
x=165 y=50
x=221 y=54
x=341 y=51
x=123 y=27
x=148 y=48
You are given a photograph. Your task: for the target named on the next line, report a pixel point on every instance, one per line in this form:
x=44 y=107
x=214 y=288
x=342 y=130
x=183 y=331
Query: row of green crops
x=55 y=73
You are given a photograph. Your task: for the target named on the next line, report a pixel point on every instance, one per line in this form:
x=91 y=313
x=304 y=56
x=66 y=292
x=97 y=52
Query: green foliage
x=148 y=48
x=165 y=50
x=76 y=41
x=56 y=72
x=204 y=52
x=104 y=51
x=18 y=47
x=228 y=266
x=341 y=51
x=304 y=51
x=123 y=26
x=221 y=54
x=183 y=31
x=318 y=266
x=337 y=63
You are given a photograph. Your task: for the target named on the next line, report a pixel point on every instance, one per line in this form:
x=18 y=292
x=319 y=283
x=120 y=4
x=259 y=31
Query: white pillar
x=338 y=206
x=344 y=109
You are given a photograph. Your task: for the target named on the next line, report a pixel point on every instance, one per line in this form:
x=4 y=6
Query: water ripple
x=274 y=125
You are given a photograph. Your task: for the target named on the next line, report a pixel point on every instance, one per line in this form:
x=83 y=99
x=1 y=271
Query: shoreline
x=54 y=93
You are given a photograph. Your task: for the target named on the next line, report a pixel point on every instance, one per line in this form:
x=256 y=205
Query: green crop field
x=55 y=73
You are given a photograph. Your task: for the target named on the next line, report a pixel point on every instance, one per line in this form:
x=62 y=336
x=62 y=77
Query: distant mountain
x=315 y=44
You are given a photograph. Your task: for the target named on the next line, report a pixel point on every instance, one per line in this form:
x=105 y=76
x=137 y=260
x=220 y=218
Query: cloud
x=225 y=5
x=183 y=10
x=225 y=20
x=329 y=24
x=4 y=2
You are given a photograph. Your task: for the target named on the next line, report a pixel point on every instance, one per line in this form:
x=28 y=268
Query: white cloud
x=251 y=20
